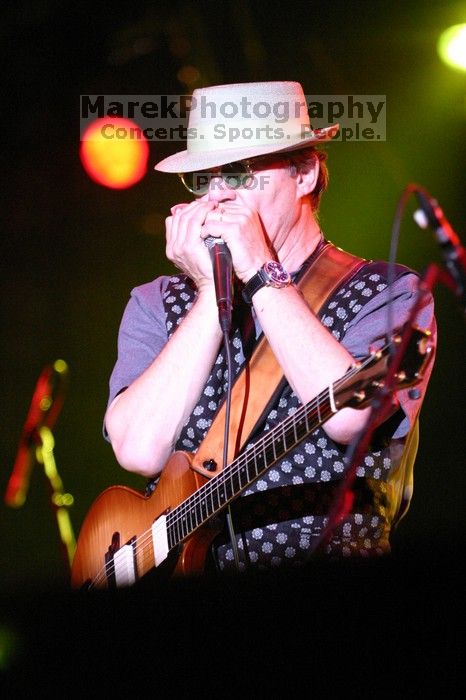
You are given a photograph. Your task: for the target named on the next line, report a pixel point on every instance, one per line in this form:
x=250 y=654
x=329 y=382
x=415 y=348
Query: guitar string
x=142 y=544
x=144 y=541
x=304 y=412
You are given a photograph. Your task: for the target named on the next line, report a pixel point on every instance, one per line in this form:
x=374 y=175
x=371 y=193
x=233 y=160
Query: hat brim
x=188 y=161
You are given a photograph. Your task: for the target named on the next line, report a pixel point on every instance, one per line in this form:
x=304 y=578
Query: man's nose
x=219 y=191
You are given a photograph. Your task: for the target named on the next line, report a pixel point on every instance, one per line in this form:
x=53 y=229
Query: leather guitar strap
x=261 y=377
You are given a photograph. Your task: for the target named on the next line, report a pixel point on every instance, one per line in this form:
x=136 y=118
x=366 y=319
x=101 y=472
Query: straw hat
x=243 y=120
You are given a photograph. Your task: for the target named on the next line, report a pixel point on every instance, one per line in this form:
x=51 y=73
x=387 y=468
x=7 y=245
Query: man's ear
x=306 y=182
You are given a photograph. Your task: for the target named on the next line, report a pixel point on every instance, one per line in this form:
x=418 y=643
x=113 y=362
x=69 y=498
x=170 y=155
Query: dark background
x=72 y=249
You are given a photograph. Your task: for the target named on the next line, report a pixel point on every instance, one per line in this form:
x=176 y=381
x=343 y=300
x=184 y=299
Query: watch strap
x=256 y=282
x=271 y=274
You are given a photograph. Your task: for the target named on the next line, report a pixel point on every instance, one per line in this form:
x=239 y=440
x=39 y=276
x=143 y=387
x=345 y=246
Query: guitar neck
x=354 y=388
x=213 y=496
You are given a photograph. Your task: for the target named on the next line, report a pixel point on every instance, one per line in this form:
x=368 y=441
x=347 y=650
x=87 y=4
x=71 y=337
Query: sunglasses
x=237 y=174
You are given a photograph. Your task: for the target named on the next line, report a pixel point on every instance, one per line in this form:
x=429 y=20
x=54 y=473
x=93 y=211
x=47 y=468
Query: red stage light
x=114 y=152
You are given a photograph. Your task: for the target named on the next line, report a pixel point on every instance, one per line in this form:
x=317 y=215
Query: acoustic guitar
x=126 y=535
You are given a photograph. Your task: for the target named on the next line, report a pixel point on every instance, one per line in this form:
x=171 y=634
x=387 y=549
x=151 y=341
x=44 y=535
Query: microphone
x=222 y=266
x=45 y=405
x=454 y=254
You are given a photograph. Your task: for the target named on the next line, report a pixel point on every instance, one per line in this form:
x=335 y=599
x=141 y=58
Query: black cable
x=380 y=410
x=394 y=240
x=381 y=404
x=229 y=519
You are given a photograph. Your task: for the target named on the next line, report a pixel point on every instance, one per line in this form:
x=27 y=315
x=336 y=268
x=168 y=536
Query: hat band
x=244 y=134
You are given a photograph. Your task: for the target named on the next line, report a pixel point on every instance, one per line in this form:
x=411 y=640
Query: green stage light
x=452 y=46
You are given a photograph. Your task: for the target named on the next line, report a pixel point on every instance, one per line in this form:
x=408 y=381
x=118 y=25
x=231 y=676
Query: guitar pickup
x=120 y=563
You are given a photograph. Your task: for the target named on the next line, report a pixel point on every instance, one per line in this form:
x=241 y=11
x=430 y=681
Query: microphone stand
x=37 y=445
x=59 y=500
x=382 y=402
x=381 y=407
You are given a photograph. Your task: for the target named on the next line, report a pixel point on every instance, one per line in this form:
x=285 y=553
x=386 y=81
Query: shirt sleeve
x=141 y=336
x=369 y=330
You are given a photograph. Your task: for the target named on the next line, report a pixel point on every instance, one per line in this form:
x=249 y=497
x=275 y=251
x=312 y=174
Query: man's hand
x=185 y=245
x=242 y=230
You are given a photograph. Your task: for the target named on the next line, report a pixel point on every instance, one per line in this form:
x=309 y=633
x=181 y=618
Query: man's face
x=270 y=189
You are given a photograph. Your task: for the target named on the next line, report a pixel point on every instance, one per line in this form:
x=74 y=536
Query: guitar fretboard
x=247 y=467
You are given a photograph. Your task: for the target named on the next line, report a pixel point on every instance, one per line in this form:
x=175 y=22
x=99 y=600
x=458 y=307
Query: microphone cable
x=222 y=268
x=229 y=517
x=380 y=407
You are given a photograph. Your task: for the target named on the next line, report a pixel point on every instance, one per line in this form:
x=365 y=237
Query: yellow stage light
x=452 y=46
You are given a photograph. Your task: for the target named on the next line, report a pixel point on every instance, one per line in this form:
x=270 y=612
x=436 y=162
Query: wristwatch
x=271 y=274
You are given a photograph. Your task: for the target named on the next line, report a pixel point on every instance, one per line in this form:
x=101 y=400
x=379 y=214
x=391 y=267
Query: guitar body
x=121 y=513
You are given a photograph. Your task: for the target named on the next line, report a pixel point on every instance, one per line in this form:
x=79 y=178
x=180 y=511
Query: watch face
x=277 y=274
